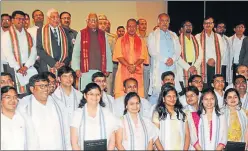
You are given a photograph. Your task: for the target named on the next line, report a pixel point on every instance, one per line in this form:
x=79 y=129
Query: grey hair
x=50 y=11
x=163 y=14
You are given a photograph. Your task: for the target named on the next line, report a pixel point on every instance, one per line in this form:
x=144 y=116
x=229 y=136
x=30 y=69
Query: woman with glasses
x=208 y=125
x=171 y=121
x=136 y=132
x=236 y=116
x=17 y=131
x=192 y=99
x=93 y=126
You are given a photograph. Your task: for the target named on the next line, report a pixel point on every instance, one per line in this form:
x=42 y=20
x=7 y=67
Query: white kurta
x=220 y=99
x=183 y=101
x=92 y=126
x=33 y=32
x=244 y=101
x=71 y=102
x=46 y=122
x=236 y=44
x=119 y=107
x=108 y=100
x=139 y=134
x=3 y=57
x=18 y=133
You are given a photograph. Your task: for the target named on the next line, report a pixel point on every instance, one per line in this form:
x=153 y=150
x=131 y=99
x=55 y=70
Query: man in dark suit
x=53 y=44
x=243 y=56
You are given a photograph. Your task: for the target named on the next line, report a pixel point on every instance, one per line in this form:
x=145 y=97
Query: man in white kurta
x=19 y=51
x=164 y=49
x=218 y=85
x=131 y=85
x=66 y=93
x=212 y=46
x=50 y=117
x=100 y=79
x=240 y=84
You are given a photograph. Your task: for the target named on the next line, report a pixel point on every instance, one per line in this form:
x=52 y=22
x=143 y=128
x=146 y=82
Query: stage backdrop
x=118 y=12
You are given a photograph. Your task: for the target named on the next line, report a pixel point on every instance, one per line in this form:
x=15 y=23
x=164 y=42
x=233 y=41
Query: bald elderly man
x=91 y=52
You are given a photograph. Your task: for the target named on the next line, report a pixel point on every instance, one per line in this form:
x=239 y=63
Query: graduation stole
x=186 y=73
x=82 y=128
x=16 y=51
x=85 y=44
x=125 y=45
x=47 y=43
x=131 y=131
x=217 y=51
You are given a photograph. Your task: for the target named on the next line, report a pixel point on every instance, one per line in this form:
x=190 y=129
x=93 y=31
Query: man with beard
x=141 y=32
x=226 y=63
x=5 y=24
x=212 y=46
x=65 y=20
x=191 y=55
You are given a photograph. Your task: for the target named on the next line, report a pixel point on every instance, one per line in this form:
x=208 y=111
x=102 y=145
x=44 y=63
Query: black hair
x=239 y=67
x=220 y=22
x=17 y=12
x=129 y=79
x=64 y=69
x=191 y=78
x=6 y=89
x=193 y=89
x=216 y=106
x=239 y=23
x=238 y=77
x=36 y=78
x=127 y=98
x=183 y=23
x=96 y=75
x=237 y=93
x=89 y=87
x=207 y=18
x=7 y=74
x=120 y=27
x=5 y=15
x=133 y=20
x=167 y=73
x=37 y=10
x=64 y=13
x=161 y=108
x=217 y=76
x=26 y=14
x=47 y=74
x=138 y=21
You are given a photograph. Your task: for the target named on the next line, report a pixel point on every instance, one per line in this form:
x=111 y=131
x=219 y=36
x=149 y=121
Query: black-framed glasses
x=43 y=86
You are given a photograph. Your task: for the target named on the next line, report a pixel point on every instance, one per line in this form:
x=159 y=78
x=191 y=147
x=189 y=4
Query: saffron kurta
x=131 y=57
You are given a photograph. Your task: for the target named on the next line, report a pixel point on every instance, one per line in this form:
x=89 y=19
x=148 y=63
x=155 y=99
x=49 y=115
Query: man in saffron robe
x=131 y=53
x=91 y=52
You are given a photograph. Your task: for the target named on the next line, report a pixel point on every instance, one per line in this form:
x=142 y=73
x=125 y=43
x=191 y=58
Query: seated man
x=100 y=79
x=6 y=79
x=218 y=83
x=131 y=85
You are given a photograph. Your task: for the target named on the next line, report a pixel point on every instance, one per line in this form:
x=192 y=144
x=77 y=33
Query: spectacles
x=20 y=19
x=5 y=20
x=219 y=81
x=43 y=86
x=54 y=18
x=241 y=82
x=8 y=97
x=187 y=25
x=208 y=23
x=92 y=20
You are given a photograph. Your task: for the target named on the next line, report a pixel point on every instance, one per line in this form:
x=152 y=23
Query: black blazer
x=243 y=56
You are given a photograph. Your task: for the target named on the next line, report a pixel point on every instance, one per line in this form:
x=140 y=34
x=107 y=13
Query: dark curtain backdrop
x=227 y=11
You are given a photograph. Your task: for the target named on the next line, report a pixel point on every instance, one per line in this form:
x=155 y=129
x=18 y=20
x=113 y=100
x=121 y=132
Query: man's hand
x=78 y=73
x=23 y=70
x=131 y=68
x=169 y=62
x=211 y=62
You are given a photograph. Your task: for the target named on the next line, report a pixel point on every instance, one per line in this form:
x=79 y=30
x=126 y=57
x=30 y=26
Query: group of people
x=95 y=90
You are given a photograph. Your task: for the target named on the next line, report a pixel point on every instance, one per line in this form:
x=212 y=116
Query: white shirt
x=92 y=126
x=232 y=86
x=220 y=99
x=108 y=100
x=71 y=102
x=33 y=32
x=225 y=48
x=244 y=101
x=23 y=48
x=183 y=101
x=58 y=32
x=17 y=133
x=3 y=57
x=236 y=47
x=119 y=107
x=46 y=122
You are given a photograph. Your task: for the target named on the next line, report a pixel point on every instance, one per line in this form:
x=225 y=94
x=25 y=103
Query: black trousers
x=210 y=74
x=235 y=66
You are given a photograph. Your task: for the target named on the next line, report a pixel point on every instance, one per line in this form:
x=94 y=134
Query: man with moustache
x=91 y=52
x=53 y=46
x=226 y=63
x=164 y=49
x=212 y=46
x=38 y=20
x=65 y=20
x=191 y=54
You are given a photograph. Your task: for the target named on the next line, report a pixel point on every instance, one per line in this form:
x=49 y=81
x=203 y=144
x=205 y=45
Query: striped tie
x=55 y=35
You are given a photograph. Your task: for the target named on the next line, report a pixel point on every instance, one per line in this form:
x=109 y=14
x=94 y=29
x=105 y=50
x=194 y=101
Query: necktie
x=55 y=35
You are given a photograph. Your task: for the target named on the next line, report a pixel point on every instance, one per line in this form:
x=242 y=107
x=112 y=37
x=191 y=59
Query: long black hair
x=216 y=106
x=161 y=108
x=232 y=90
x=127 y=98
x=89 y=87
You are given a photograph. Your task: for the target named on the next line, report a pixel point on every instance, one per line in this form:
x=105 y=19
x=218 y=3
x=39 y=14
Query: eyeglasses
x=54 y=18
x=8 y=97
x=5 y=20
x=219 y=81
x=20 y=19
x=240 y=82
x=43 y=86
x=208 y=23
x=92 y=20
x=187 y=25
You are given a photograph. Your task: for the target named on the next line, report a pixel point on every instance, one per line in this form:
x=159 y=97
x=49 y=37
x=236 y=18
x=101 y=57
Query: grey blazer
x=243 y=56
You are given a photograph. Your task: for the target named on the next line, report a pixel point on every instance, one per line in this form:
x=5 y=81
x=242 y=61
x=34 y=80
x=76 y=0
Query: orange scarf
x=217 y=51
x=183 y=54
x=16 y=51
x=125 y=45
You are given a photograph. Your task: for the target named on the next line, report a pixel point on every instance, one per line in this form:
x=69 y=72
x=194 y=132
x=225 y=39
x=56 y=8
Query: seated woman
x=92 y=123
x=171 y=121
x=208 y=125
x=136 y=132
x=236 y=117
